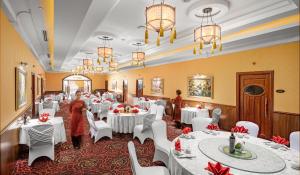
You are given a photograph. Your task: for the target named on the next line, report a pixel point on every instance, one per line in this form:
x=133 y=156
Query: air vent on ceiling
x=45 y=35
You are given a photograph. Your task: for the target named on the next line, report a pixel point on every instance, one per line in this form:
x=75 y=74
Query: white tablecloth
x=124 y=122
x=195 y=166
x=188 y=113
x=146 y=104
x=59 y=130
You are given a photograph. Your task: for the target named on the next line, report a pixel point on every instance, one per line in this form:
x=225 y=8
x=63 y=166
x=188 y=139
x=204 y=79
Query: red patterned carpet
x=106 y=157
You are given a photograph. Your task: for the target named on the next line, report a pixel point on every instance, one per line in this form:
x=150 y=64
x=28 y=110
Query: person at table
x=77 y=110
x=178 y=102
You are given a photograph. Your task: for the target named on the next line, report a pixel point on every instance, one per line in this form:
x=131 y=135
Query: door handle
x=266 y=107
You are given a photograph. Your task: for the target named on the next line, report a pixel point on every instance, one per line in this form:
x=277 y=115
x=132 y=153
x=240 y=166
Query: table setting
x=212 y=150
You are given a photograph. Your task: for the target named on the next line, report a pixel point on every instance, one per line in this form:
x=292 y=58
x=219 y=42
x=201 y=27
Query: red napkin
x=280 y=140
x=120 y=106
x=177 y=145
x=135 y=111
x=240 y=129
x=97 y=101
x=186 y=130
x=44 y=117
x=213 y=127
x=110 y=108
x=116 y=111
x=137 y=106
x=109 y=99
x=217 y=169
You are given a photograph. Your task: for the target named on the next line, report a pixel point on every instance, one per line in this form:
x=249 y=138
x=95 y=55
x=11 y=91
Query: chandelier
x=87 y=67
x=209 y=33
x=160 y=17
x=138 y=57
x=104 y=52
x=113 y=65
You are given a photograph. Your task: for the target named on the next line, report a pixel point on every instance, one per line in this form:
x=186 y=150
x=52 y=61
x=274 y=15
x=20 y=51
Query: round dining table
x=206 y=147
x=188 y=113
x=125 y=122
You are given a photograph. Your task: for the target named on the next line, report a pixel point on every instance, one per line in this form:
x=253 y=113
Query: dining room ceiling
x=79 y=23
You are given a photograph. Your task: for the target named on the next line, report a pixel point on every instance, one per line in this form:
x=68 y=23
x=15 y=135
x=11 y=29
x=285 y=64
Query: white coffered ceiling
x=78 y=23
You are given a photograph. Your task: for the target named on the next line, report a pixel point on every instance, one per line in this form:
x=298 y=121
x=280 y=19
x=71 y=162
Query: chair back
x=135 y=100
x=252 y=127
x=159 y=112
x=147 y=121
x=104 y=107
x=200 y=123
x=295 y=140
x=48 y=105
x=91 y=120
x=41 y=135
x=216 y=114
x=159 y=129
x=41 y=107
x=153 y=109
x=135 y=166
x=161 y=102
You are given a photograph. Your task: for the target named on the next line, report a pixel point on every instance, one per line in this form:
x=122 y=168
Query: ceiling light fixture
x=138 y=57
x=105 y=51
x=208 y=33
x=113 y=65
x=160 y=17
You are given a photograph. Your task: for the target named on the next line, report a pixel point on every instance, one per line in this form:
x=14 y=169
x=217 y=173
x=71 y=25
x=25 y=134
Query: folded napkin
x=116 y=111
x=97 y=101
x=217 y=169
x=46 y=114
x=109 y=99
x=110 y=108
x=120 y=106
x=240 y=129
x=280 y=140
x=213 y=127
x=135 y=111
x=186 y=130
x=177 y=145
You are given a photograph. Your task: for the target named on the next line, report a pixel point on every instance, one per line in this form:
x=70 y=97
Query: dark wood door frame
x=33 y=93
x=137 y=94
x=106 y=85
x=270 y=101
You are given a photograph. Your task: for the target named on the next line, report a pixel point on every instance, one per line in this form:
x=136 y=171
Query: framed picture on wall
x=200 y=86
x=114 y=85
x=20 y=88
x=157 y=86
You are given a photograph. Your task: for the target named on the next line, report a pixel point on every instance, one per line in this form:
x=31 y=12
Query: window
x=254 y=90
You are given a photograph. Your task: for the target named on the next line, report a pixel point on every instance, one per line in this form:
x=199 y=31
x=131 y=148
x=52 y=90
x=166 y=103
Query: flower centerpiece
x=121 y=107
x=44 y=117
x=127 y=108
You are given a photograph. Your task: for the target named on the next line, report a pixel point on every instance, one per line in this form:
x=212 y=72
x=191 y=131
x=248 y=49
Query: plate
x=245 y=154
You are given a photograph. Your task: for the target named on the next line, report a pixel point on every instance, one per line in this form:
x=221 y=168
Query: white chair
x=41 y=142
x=160 y=110
x=144 y=131
x=98 y=129
x=104 y=108
x=252 y=127
x=153 y=108
x=135 y=100
x=137 y=169
x=161 y=142
x=295 y=140
x=200 y=123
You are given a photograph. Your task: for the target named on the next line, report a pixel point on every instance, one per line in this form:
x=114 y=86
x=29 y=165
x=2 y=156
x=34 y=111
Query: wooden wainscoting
x=284 y=123
x=10 y=144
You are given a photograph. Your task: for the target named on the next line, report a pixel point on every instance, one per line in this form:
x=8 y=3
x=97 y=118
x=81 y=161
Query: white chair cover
x=138 y=170
x=153 y=108
x=144 y=131
x=104 y=108
x=252 y=127
x=295 y=140
x=216 y=114
x=161 y=142
x=98 y=129
x=41 y=142
x=135 y=100
x=160 y=112
x=200 y=124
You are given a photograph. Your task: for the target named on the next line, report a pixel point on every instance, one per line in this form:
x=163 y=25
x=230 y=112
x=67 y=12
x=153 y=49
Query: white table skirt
x=188 y=113
x=59 y=130
x=195 y=166
x=124 y=122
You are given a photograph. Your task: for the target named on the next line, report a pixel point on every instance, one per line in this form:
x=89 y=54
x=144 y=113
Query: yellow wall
x=13 y=50
x=54 y=81
x=283 y=59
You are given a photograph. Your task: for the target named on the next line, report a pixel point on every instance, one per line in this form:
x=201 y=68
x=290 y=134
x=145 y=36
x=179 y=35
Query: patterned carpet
x=106 y=157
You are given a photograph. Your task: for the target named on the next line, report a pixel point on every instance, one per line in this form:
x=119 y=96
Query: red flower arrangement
x=280 y=140
x=135 y=111
x=110 y=108
x=240 y=129
x=116 y=111
x=44 y=117
x=213 y=127
x=217 y=169
x=186 y=130
x=177 y=145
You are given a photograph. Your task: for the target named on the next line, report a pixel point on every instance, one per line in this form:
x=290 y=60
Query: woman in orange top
x=178 y=102
x=77 y=110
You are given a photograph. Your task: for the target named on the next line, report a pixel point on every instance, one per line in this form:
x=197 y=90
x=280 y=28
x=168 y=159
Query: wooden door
x=33 y=93
x=106 y=85
x=42 y=86
x=125 y=90
x=139 y=87
x=255 y=100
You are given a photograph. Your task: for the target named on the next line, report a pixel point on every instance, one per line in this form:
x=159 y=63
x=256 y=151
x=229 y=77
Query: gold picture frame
x=157 y=86
x=200 y=86
x=20 y=88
